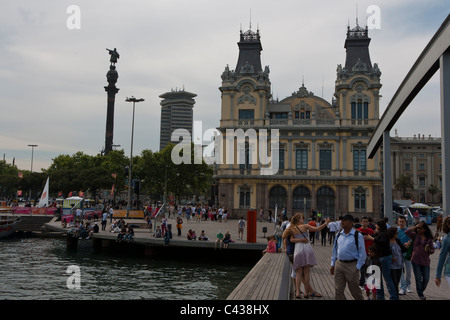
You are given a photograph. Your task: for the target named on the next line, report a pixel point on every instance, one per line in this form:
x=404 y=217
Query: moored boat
x=7 y=226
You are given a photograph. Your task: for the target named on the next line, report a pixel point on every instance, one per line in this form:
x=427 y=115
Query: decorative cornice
x=303 y=92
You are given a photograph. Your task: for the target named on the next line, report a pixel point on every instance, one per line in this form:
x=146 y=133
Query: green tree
x=81 y=172
x=404 y=183
x=9 y=180
x=162 y=177
x=114 y=163
x=63 y=174
x=148 y=169
x=432 y=189
x=188 y=178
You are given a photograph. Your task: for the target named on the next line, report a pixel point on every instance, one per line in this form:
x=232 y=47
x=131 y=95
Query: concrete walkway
x=145 y=236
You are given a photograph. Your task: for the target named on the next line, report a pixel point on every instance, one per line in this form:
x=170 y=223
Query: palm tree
x=432 y=189
x=404 y=183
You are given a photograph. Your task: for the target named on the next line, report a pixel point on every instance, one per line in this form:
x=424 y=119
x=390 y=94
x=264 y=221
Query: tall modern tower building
x=176 y=113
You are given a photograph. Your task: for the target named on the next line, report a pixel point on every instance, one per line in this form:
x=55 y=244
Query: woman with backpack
x=381 y=240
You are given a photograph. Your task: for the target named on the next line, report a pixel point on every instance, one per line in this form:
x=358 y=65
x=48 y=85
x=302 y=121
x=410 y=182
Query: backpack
x=356 y=239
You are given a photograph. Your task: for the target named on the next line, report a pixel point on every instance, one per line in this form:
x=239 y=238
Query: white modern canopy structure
x=435 y=56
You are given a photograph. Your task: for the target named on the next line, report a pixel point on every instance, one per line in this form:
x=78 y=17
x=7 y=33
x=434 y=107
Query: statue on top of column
x=114 y=56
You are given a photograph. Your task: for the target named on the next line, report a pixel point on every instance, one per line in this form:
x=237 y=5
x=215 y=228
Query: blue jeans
x=405 y=280
x=278 y=244
x=422 y=276
x=386 y=274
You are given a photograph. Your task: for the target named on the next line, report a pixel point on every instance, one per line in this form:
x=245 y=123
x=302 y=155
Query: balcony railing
x=278 y=121
x=246 y=122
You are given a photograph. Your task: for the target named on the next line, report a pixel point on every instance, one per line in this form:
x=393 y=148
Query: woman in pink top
x=271 y=245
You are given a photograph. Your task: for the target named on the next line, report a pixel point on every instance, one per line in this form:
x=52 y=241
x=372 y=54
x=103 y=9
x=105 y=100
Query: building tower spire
x=357 y=48
x=249 y=61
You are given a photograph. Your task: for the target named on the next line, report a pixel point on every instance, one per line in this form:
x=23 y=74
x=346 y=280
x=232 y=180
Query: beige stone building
x=322 y=145
x=419 y=158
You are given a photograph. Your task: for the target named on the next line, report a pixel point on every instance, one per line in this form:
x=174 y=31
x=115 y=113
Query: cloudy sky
x=52 y=76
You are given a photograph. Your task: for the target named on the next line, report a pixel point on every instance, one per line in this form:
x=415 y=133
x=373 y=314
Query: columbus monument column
x=111 y=89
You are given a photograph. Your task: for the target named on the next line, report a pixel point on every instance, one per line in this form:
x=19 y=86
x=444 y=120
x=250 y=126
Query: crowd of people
x=81 y=230
x=367 y=256
x=197 y=213
x=125 y=232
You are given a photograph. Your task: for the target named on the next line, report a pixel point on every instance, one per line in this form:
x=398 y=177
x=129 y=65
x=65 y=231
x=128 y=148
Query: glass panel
x=301 y=159
x=325 y=160
x=246 y=114
x=353 y=110
x=366 y=110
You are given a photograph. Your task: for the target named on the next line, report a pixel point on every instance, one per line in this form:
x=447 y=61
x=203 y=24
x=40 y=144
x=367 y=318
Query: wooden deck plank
x=254 y=293
x=270 y=282
x=249 y=285
x=274 y=281
x=265 y=281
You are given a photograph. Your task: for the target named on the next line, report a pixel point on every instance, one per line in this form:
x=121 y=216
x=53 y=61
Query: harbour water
x=33 y=268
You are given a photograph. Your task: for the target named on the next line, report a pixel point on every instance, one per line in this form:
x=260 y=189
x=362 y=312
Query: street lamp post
x=304 y=206
x=134 y=100
x=32 y=153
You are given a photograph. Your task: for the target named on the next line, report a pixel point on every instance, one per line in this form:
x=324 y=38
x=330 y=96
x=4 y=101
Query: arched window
x=360 y=105
x=360 y=195
x=301 y=198
x=277 y=196
x=244 y=196
x=325 y=201
x=359 y=158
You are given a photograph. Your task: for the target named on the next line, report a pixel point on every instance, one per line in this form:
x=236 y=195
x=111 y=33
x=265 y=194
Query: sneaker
x=402 y=292
x=408 y=290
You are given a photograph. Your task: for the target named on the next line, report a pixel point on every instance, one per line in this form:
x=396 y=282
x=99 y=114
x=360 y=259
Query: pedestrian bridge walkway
x=260 y=281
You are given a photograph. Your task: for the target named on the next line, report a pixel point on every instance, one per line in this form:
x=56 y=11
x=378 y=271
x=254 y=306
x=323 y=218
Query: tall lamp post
x=32 y=153
x=134 y=100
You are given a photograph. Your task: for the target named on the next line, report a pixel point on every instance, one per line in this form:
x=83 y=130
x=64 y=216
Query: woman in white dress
x=304 y=257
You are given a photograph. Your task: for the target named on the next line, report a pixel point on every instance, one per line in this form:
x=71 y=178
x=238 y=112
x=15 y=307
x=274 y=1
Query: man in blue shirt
x=347 y=259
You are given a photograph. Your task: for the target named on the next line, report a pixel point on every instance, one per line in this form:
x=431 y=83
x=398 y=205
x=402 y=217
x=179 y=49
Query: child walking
x=372 y=261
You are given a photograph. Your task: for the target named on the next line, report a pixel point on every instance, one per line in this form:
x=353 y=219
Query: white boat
x=7 y=227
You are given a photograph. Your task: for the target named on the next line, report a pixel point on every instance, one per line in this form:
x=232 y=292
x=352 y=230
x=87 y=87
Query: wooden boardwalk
x=268 y=280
